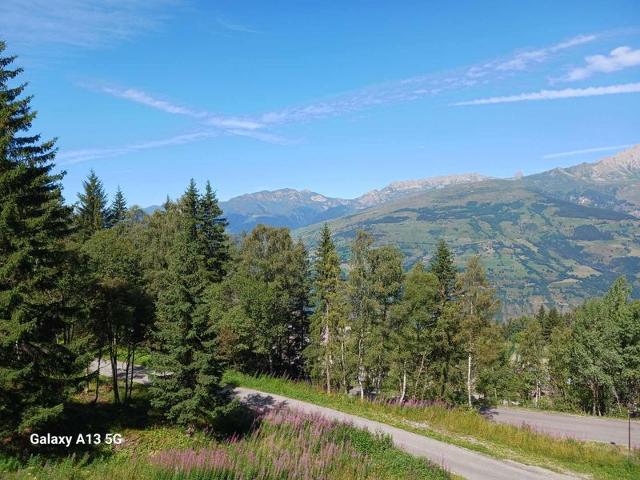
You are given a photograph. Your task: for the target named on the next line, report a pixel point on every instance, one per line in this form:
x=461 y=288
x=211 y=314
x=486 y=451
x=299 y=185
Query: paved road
x=574 y=426
x=463 y=462
x=140 y=374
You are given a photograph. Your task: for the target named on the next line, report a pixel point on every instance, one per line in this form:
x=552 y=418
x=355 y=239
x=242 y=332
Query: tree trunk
x=98 y=375
x=469 y=380
x=403 y=391
x=126 y=374
x=344 y=365
x=417 y=382
x=113 y=354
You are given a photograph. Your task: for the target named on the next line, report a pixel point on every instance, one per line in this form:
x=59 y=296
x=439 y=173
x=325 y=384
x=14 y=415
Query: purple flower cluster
x=286 y=444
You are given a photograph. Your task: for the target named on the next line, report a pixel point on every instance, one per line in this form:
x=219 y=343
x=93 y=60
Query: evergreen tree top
x=118 y=210
x=92 y=210
x=16 y=116
x=443 y=267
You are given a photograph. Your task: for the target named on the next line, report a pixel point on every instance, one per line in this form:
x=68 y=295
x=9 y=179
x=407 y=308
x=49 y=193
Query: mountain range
x=297 y=208
x=552 y=238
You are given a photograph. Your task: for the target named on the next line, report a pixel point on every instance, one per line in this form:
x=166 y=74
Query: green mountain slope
x=543 y=242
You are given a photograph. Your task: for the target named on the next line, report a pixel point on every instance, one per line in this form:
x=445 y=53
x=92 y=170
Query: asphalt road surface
x=140 y=374
x=462 y=462
x=561 y=425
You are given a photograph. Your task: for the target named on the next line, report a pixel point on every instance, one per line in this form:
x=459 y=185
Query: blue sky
x=337 y=97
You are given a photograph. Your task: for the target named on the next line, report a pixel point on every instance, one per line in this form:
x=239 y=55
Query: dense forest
x=100 y=280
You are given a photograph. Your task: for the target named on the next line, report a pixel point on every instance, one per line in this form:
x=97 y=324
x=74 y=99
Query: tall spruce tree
x=186 y=386
x=446 y=331
x=212 y=232
x=91 y=210
x=33 y=222
x=118 y=210
x=329 y=308
x=443 y=267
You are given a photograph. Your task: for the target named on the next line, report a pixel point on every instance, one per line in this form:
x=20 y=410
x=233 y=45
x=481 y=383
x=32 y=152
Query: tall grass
x=466 y=428
x=281 y=444
x=292 y=445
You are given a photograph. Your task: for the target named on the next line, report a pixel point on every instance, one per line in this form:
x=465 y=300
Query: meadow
x=466 y=428
x=275 y=444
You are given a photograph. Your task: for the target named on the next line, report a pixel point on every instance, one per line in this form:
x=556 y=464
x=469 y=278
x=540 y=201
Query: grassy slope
x=527 y=239
x=468 y=429
x=256 y=452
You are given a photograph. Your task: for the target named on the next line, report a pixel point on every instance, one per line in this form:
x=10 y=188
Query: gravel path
x=560 y=425
x=463 y=462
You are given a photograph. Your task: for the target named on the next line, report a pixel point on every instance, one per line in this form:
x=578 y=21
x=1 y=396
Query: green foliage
x=92 y=213
x=33 y=224
x=187 y=370
x=260 y=309
x=118 y=209
x=120 y=311
x=525 y=237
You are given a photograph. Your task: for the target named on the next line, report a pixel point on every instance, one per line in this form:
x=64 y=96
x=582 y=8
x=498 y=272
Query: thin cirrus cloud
x=78 y=23
x=556 y=94
x=405 y=90
x=571 y=153
x=226 y=24
x=79 y=156
x=618 y=59
x=144 y=98
x=524 y=59
x=83 y=155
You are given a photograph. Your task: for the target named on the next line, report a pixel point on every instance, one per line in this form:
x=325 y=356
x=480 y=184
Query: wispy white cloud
x=618 y=59
x=405 y=90
x=572 y=153
x=234 y=26
x=262 y=136
x=206 y=118
x=78 y=156
x=557 y=94
x=419 y=87
x=143 y=98
x=522 y=60
x=78 y=23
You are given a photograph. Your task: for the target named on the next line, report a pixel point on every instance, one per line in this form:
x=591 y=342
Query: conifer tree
x=190 y=208
x=118 y=209
x=443 y=267
x=92 y=212
x=33 y=223
x=328 y=309
x=186 y=386
x=212 y=232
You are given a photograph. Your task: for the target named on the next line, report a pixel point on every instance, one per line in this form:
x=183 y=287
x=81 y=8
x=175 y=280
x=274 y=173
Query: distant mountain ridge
x=292 y=208
x=553 y=238
x=607 y=183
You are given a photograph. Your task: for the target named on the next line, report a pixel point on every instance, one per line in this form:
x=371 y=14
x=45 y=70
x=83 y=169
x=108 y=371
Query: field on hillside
x=537 y=249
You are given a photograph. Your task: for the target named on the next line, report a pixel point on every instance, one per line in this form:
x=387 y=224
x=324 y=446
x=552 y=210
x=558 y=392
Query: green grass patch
x=466 y=428
x=275 y=445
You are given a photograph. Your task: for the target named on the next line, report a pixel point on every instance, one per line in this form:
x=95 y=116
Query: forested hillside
x=549 y=239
